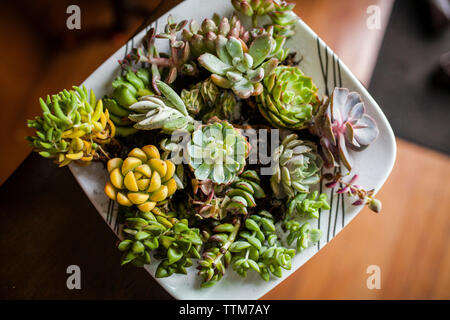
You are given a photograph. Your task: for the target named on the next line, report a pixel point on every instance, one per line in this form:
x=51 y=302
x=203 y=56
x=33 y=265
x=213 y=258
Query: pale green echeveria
x=167 y=112
x=289 y=99
x=234 y=68
x=217 y=152
x=297 y=167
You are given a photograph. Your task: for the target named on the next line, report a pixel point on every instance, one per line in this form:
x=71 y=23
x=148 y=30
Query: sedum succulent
x=307 y=205
x=289 y=99
x=140 y=232
x=72 y=127
x=168 y=113
x=253 y=8
x=257 y=248
x=206 y=100
x=202 y=38
x=342 y=123
x=301 y=234
x=178 y=246
x=217 y=152
x=283 y=18
x=216 y=256
x=142 y=179
x=127 y=89
x=297 y=167
x=235 y=67
x=279 y=11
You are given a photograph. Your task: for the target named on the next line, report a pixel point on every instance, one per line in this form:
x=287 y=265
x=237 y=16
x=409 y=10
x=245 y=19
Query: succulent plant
x=289 y=99
x=127 y=89
x=297 y=167
x=240 y=195
x=202 y=38
x=233 y=68
x=172 y=149
x=168 y=113
x=72 y=127
x=279 y=51
x=141 y=232
x=216 y=256
x=217 y=152
x=179 y=246
x=254 y=8
x=301 y=234
x=342 y=123
x=257 y=248
x=177 y=62
x=206 y=100
x=283 y=18
x=142 y=179
x=307 y=205
x=280 y=12
x=353 y=190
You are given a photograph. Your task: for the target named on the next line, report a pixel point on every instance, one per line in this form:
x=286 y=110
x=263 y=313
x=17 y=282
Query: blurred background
x=405 y=64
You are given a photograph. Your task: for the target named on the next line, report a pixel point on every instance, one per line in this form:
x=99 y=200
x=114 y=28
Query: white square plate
x=318 y=61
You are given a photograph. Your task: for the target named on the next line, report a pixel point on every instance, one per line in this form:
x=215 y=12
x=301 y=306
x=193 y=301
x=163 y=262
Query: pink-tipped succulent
x=342 y=123
x=353 y=190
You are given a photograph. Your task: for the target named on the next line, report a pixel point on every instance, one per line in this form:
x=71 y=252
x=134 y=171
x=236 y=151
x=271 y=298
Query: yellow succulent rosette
x=142 y=179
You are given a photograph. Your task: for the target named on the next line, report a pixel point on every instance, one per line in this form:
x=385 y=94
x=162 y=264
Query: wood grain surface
x=47 y=223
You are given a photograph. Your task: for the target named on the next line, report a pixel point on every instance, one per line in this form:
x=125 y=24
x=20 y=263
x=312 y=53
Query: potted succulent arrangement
x=172 y=136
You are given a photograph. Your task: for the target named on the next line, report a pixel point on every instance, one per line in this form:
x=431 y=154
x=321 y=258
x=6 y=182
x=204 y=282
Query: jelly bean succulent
x=235 y=67
x=342 y=124
x=289 y=99
x=72 y=127
x=302 y=234
x=297 y=167
x=142 y=179
x=202 y=37
x=307 y=205
x=217 y=152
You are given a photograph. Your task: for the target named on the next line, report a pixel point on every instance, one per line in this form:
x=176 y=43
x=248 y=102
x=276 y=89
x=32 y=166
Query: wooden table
x=47 y=223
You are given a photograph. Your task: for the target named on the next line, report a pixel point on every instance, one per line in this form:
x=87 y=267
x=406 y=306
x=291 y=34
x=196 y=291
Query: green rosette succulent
x=236 y=199
x=205 y=100
x=235 y=67
x=202 y=37
x=217 y=152
x=289 y=99
x=168 y=112
x=127 y=89
x=297 y=167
